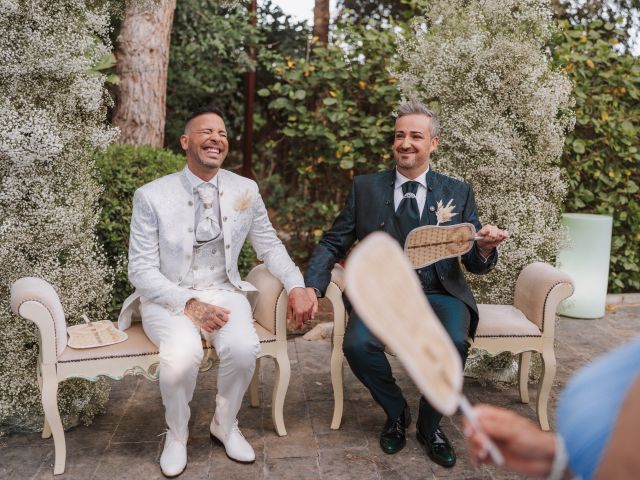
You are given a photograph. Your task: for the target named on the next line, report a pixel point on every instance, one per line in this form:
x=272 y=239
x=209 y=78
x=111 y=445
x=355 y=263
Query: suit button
x=224 y=219
x=190 y=229
x=190 y=203
x=195 y=267
x=419 y=271
x=381 y=224
x=387 y=202
x=211 y=267
x=442 y=277
x=214 y=251
x=221 y=192
x=432 y=208
x=227 y=246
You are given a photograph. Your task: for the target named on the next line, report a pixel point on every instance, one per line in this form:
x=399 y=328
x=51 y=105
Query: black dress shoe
x=438 y=447
x=393 y=438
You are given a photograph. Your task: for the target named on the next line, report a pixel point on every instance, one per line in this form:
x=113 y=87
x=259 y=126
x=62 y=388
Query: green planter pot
x=586 y=259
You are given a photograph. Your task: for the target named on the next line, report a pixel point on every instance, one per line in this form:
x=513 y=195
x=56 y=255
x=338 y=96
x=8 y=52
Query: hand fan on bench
x=386 y=293
x=94 y=334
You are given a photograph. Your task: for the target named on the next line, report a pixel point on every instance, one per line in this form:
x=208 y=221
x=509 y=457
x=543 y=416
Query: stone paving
x=125 y=442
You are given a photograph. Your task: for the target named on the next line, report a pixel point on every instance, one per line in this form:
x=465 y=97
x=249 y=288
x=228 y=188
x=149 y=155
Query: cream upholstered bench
x=524 y=327
x=36 y=300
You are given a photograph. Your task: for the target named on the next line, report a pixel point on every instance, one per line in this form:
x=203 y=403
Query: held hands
x=526 y=449
x=206 y=316
x=493 y=237
x=302 y=306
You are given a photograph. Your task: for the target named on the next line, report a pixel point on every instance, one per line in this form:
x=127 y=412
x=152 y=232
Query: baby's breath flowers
x=52 y=118
x=505 y=110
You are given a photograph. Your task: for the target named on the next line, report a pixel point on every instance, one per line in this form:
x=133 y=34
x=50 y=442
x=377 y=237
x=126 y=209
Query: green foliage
x=382 y=13
x=328 y=118
x=206 y=64
x=601 y=156
x=122 y=169
x=209 y=58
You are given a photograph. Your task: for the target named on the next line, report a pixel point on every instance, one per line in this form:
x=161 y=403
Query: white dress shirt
x=421 y=194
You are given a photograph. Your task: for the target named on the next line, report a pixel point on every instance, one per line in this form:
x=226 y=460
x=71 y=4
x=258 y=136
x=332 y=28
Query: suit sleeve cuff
x=295 y=285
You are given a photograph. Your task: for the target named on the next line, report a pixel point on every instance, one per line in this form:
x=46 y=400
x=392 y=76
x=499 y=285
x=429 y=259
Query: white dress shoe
x=235 y=444
x=173 y=460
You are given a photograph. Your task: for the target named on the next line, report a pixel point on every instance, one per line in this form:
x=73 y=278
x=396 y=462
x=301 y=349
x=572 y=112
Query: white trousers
x=179 y=340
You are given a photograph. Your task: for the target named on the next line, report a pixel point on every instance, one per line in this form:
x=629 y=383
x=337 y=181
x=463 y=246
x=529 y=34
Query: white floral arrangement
x=504 y=111
x=52 y=118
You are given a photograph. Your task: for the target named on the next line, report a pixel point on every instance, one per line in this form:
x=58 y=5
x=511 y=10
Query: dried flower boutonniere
x=243 y=202
x=445 y=214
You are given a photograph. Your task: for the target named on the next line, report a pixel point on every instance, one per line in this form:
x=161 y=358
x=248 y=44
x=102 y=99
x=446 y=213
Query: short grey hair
x=414 y=107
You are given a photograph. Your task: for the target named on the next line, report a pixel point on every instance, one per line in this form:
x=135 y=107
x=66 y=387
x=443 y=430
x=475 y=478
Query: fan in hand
x=430 y=243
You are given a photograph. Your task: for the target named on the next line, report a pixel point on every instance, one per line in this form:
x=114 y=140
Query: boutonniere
x=243 y=202
x=445 y=214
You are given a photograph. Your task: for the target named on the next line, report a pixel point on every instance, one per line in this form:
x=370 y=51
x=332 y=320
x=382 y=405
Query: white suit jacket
x=161 y=239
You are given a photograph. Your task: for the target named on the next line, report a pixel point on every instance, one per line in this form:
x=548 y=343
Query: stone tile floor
x=124 y=443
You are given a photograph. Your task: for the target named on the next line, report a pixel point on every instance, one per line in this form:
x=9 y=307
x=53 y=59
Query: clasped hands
x=302 y=307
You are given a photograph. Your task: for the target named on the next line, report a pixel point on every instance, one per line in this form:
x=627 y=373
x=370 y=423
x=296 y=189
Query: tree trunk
x=143 y=58
x=321 y=21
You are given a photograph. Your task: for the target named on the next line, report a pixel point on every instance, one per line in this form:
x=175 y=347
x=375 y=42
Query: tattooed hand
x=206 y=316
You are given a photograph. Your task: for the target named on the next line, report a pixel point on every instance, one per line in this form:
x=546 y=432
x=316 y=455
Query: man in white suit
x=187 y=230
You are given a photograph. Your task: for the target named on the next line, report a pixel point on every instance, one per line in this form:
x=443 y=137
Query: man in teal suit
x=396 y=201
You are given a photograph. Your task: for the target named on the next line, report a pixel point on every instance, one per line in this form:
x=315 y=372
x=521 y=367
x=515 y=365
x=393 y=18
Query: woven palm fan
x=430 y=243
x=387 y=295
x=94 y=334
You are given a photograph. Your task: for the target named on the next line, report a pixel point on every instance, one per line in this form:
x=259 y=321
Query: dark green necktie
x=408 y=214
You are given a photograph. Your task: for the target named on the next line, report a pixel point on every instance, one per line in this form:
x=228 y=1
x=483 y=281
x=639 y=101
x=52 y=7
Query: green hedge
x=122 y=169
x=601 y=155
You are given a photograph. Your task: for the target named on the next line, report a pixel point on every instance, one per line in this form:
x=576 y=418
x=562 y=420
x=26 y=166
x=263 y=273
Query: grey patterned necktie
x=208 y=227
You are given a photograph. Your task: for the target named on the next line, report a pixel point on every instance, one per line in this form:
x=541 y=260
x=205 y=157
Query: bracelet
x=560 y=460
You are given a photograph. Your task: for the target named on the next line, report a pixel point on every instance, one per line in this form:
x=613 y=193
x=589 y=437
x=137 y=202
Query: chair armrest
x=337 y=276
x=539 y=290
x=270 y=308
x=36 y=300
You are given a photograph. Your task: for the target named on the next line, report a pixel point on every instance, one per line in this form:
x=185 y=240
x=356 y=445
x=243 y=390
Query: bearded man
x=397 y=201
x=187 y=230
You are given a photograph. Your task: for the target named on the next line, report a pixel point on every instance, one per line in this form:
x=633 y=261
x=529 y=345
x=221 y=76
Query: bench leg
x=253 y=386
x=50 y=407
x=337 y=359
x=280 y=387
x=523 y=374
x=46 y=429
x=546 y=381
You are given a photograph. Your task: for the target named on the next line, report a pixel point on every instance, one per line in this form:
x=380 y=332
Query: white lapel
x=225 y=199
x=186 y=214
